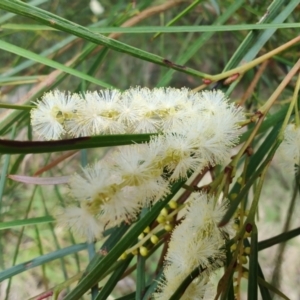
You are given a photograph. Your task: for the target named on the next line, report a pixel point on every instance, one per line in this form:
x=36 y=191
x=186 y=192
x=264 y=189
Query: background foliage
x=61 y=44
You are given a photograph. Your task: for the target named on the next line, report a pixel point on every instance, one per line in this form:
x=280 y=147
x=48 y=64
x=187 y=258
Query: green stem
x=65 y=25
x=264 y=110
x=182 y=13
x=295 y=100
x=13 y=106
x=242 y=69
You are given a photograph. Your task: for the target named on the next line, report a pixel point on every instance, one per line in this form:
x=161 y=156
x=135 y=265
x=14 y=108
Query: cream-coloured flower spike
x=95 y=184
x=143 y=103
x=98 y=114
x=197 y=248
x=80 y=221
x=52 y=111
x=218 y=121
x=200 y=288
x=172 y=108
x=289 y=150
x=139 y=110
x=178 y=153
x=110 y=191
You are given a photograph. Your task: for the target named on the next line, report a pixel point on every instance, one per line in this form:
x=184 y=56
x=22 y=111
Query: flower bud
x=143 y=251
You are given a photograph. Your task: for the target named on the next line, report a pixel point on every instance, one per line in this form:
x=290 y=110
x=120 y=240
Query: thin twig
x=253 y=83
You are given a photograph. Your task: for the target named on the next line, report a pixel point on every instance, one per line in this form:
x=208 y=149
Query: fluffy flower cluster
x=289 y=150
x=195 y=130
x=115 y=190
x=196 y=242
x=137 y=110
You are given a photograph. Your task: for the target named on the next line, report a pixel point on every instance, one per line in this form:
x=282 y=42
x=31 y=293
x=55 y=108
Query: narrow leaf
x=26 y=222
x=253 y=266
x=113 y=280
x=65 y=25
x=281 y=238
x=40 y=261
x=48 y=62
x=121 y=246
x=39 y=180
x=20 y=147
x=161 y=29
x=272 y=288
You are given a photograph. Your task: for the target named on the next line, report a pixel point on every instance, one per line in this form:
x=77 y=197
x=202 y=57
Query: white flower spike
x=80 y=221
x=98 y=114
x=52 y=111
x=289 y=150
x=195 y=130
x=200 y=246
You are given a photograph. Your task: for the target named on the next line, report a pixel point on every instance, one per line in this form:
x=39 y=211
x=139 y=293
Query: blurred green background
x=22 y=81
